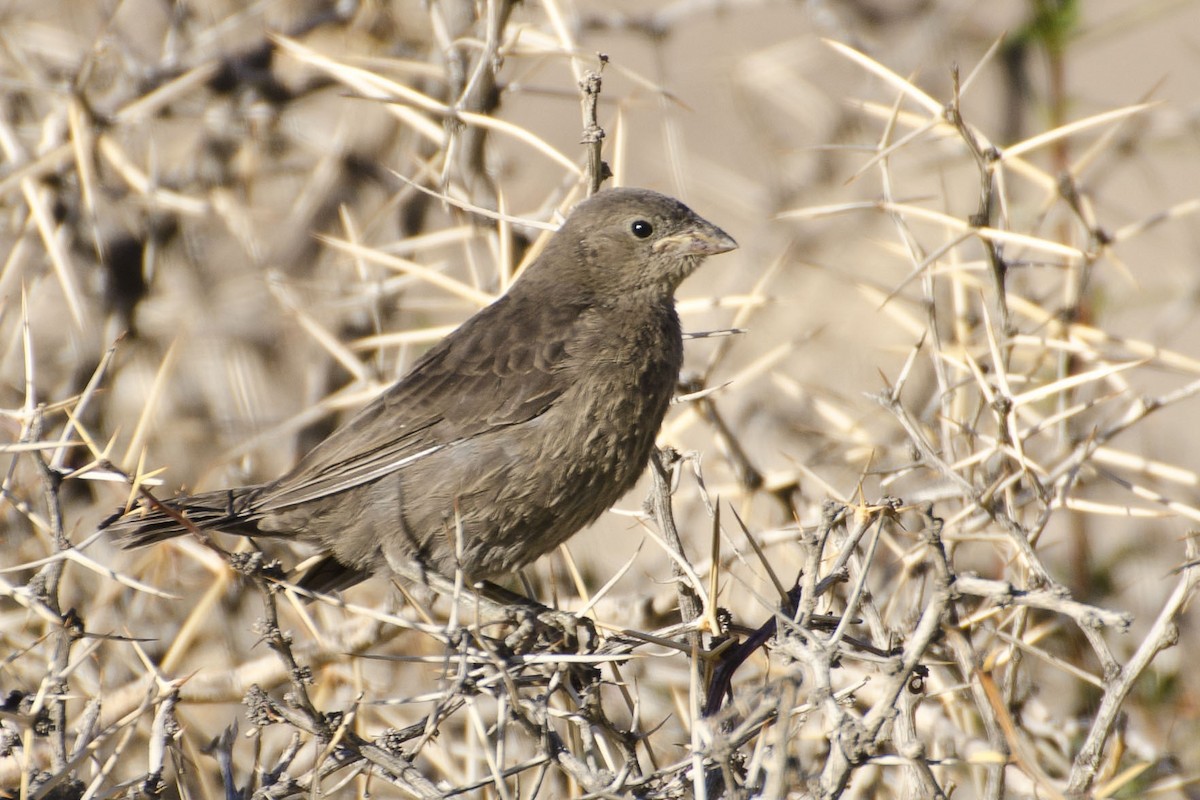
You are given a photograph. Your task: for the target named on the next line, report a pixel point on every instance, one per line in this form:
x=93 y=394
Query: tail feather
x=230 y=511
x=227 y=510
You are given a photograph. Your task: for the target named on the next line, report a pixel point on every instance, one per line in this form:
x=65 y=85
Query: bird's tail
x=228 y=510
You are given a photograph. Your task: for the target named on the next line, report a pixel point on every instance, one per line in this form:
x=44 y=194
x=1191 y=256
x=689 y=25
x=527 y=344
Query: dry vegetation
x=926 y=528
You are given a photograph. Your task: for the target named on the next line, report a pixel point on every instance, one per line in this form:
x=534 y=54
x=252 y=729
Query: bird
x=511 y=434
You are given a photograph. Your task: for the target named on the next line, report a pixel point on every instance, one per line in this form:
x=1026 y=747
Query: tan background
x=762 y=118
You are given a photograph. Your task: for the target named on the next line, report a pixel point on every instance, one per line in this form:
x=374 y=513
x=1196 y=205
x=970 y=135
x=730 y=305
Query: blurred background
x=223 y=230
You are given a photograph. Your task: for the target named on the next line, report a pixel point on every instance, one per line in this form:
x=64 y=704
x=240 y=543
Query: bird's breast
x=626 y=376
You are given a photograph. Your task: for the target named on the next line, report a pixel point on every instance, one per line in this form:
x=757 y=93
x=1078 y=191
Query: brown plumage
x=523 y=425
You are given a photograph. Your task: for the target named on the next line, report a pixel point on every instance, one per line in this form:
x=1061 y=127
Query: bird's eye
x=641 y=229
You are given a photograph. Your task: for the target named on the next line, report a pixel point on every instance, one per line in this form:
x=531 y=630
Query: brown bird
x=514 y=432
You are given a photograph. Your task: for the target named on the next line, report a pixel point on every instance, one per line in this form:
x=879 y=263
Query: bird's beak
x=703 y=240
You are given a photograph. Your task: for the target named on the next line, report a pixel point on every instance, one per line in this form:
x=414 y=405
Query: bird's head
x=630 y=242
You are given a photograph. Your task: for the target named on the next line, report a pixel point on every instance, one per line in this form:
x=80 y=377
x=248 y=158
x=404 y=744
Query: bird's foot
x=540 y=629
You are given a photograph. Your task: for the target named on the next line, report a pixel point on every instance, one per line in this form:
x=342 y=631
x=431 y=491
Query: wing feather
x=506 y=365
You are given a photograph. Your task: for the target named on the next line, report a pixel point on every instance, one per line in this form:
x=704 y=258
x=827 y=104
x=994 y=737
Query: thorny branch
x=909 y=636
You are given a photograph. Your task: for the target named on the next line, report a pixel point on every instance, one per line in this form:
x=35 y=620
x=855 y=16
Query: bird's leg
x=537 y=627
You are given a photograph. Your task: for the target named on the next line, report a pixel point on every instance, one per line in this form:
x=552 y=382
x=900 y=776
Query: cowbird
x=507 y=437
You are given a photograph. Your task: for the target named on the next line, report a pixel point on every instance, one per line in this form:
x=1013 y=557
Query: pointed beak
x=704 y=239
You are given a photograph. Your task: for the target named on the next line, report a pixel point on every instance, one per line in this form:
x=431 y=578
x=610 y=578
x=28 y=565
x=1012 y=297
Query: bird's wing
x=502 y=367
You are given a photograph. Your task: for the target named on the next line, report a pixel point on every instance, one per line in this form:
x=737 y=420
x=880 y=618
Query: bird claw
x=541 y=629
